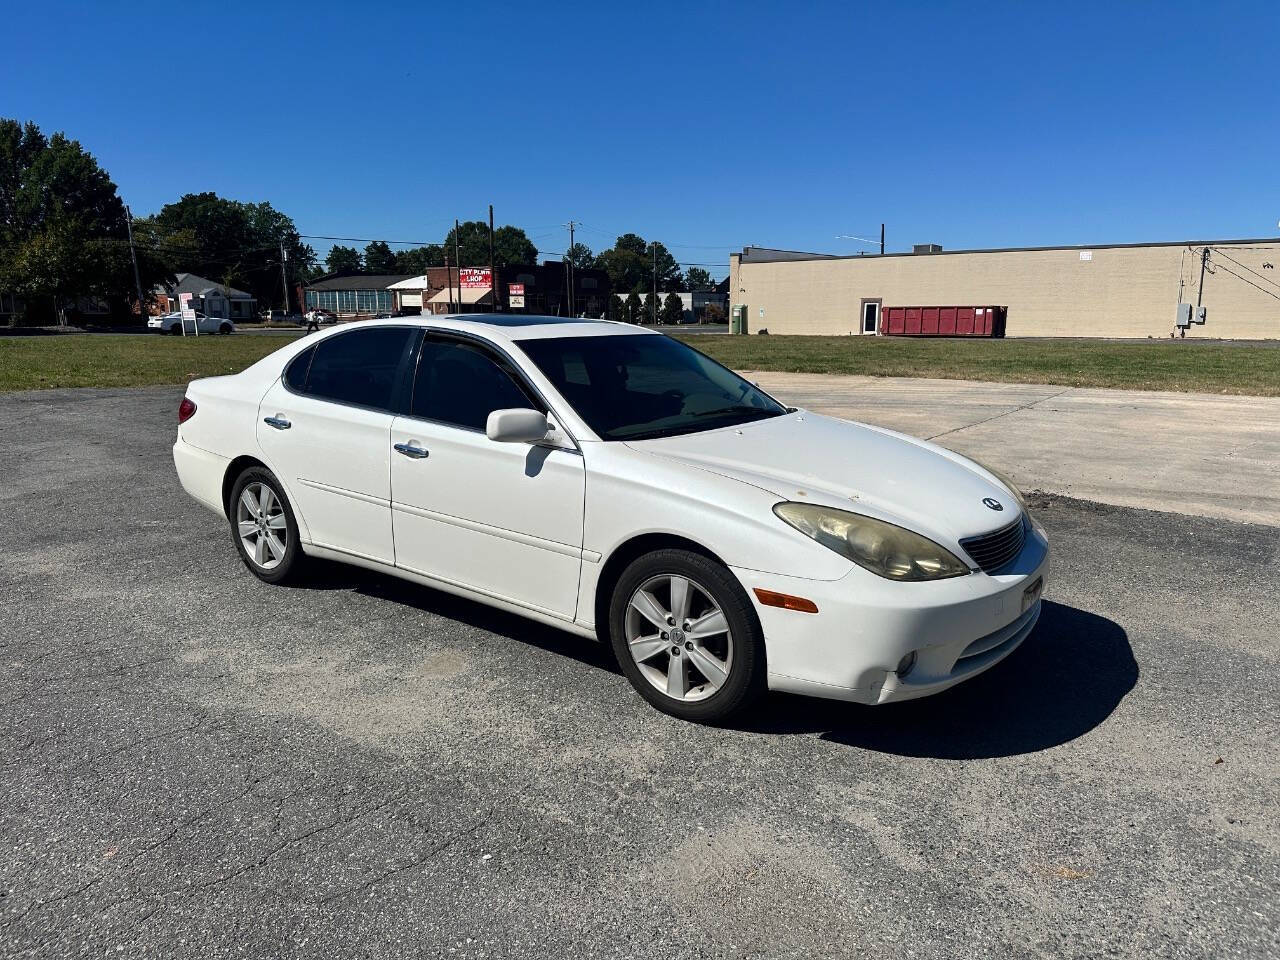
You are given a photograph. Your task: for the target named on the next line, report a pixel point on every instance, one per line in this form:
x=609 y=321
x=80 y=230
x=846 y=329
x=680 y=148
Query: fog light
x=906 y=664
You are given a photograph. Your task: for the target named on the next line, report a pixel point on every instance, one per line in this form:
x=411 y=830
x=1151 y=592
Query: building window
x=589 y=283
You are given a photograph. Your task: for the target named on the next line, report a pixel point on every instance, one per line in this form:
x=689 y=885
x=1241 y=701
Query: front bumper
x=866 y=625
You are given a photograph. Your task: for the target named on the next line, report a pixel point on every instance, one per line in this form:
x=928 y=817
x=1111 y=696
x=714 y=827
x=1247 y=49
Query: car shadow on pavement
x=1064 y=680
x=327 y=575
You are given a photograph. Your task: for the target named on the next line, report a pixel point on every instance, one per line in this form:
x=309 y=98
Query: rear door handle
x=411 y=449
x=280 y=423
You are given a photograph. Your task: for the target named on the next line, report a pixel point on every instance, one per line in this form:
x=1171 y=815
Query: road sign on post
x=515 y=294
x=188 y=313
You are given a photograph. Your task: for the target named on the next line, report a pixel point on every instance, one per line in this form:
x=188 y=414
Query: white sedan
x=618 y=484
x=172 y=323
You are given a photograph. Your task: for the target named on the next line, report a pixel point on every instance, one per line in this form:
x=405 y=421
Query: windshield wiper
x=722 y=411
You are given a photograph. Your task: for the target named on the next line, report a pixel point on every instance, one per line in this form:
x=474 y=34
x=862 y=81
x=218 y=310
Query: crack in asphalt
x=1006 y=413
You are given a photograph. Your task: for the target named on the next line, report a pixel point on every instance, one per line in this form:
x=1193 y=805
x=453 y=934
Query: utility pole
x=448 y=277
x=1204 y=260
x=493 y=269
x=457 y=255
x=882 y=239
x=137 y=283
x=568 y=266
x=284 y=277
x=655 y=283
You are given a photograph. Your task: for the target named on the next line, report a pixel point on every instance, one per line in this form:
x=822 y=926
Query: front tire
x=264 y=528
x=686 y=636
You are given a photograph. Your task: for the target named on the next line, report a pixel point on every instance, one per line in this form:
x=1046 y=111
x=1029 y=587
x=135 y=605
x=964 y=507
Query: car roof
x=520 y=326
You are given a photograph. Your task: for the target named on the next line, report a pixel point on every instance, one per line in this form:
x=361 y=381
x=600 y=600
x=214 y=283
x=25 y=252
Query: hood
x=810 y=458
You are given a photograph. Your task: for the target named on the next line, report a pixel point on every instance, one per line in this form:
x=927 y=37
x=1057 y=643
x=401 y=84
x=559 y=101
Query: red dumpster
x=943 y=321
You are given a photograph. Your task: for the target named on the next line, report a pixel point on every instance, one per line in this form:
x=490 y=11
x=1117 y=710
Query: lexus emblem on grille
x=993 y=503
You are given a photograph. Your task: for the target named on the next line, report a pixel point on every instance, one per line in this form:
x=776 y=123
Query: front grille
x=992 y=552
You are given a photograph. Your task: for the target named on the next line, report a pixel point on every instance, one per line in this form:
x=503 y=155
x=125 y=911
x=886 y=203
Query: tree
x=634 y=309
x=235 y=243
x=63 y=228
x=669 y=277
x=580 y=256
x=629 y=263
x=695 y=279
x=510 y=245
x=615 y=309
x=378 y=258
x=343 y=259
x=416 y=260
x=672 y=310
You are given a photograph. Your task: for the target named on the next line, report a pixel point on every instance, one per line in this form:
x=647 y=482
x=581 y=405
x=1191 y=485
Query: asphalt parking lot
x=198 y=765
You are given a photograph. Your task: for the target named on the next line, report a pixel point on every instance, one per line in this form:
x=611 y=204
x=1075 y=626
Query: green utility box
x=738 y=319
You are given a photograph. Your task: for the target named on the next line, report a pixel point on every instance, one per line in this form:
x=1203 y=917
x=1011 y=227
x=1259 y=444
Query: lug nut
x=688 y=644
x=675 y=651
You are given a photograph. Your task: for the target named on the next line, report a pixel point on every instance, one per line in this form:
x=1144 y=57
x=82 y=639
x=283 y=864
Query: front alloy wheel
x=679 y=638
x=686 y=635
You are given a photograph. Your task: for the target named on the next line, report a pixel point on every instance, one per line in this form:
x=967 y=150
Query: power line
x=1243 y=267
x=1269 y=293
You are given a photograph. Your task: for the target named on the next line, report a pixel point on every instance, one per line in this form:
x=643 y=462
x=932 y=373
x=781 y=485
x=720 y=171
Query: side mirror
x=516 y=426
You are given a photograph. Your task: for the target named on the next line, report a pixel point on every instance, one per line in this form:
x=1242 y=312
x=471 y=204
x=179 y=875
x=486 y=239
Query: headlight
x=883 y=548
x=1004 y=478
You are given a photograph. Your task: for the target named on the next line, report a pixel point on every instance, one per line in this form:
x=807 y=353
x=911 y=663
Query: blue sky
x=705 y=126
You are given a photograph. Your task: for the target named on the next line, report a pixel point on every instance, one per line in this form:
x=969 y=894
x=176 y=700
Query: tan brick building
x=1118 y=290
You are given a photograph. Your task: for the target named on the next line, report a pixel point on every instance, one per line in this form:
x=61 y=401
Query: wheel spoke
x=709 y=665
x=278 y=522
x=708 y=625
x=649 y=608
x=677 y=677
x=643 y=648
x=679 y=598
x=260 y=550
x=247 y=528
x=274 y=545
x=264 y=499
x=249 y=502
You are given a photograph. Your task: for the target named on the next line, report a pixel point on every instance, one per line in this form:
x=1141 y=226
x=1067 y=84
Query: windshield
x=644 y=386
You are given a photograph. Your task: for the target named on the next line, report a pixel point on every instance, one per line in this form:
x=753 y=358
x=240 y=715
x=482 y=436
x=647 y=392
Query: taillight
x=186 y=410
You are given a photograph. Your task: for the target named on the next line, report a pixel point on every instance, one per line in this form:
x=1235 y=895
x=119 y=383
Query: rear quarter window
x=295 y=375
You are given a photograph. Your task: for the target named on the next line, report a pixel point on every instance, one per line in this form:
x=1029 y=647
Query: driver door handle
x=280 y=423
x=411 y=449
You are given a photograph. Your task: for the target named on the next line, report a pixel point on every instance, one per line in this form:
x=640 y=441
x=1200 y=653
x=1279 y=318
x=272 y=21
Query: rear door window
x=360 y=367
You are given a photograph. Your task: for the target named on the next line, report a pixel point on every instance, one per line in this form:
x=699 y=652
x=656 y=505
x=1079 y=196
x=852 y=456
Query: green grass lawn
x=1145 y=365
x=102 y=360
x=124 y=360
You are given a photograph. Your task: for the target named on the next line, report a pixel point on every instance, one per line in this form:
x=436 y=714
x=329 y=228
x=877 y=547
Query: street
x=197 y=764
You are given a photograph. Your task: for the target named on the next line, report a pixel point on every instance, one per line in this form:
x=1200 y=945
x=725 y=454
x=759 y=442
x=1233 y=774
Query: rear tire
x=225 y=328
x=264 y=528
x=686 y=636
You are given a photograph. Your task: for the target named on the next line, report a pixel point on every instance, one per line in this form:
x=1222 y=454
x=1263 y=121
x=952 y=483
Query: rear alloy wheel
x=225 y=328
x=264 y=527
x=686 y=636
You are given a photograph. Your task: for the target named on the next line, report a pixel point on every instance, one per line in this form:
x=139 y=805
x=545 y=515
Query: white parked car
x=172 y=323
x=616 y=483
